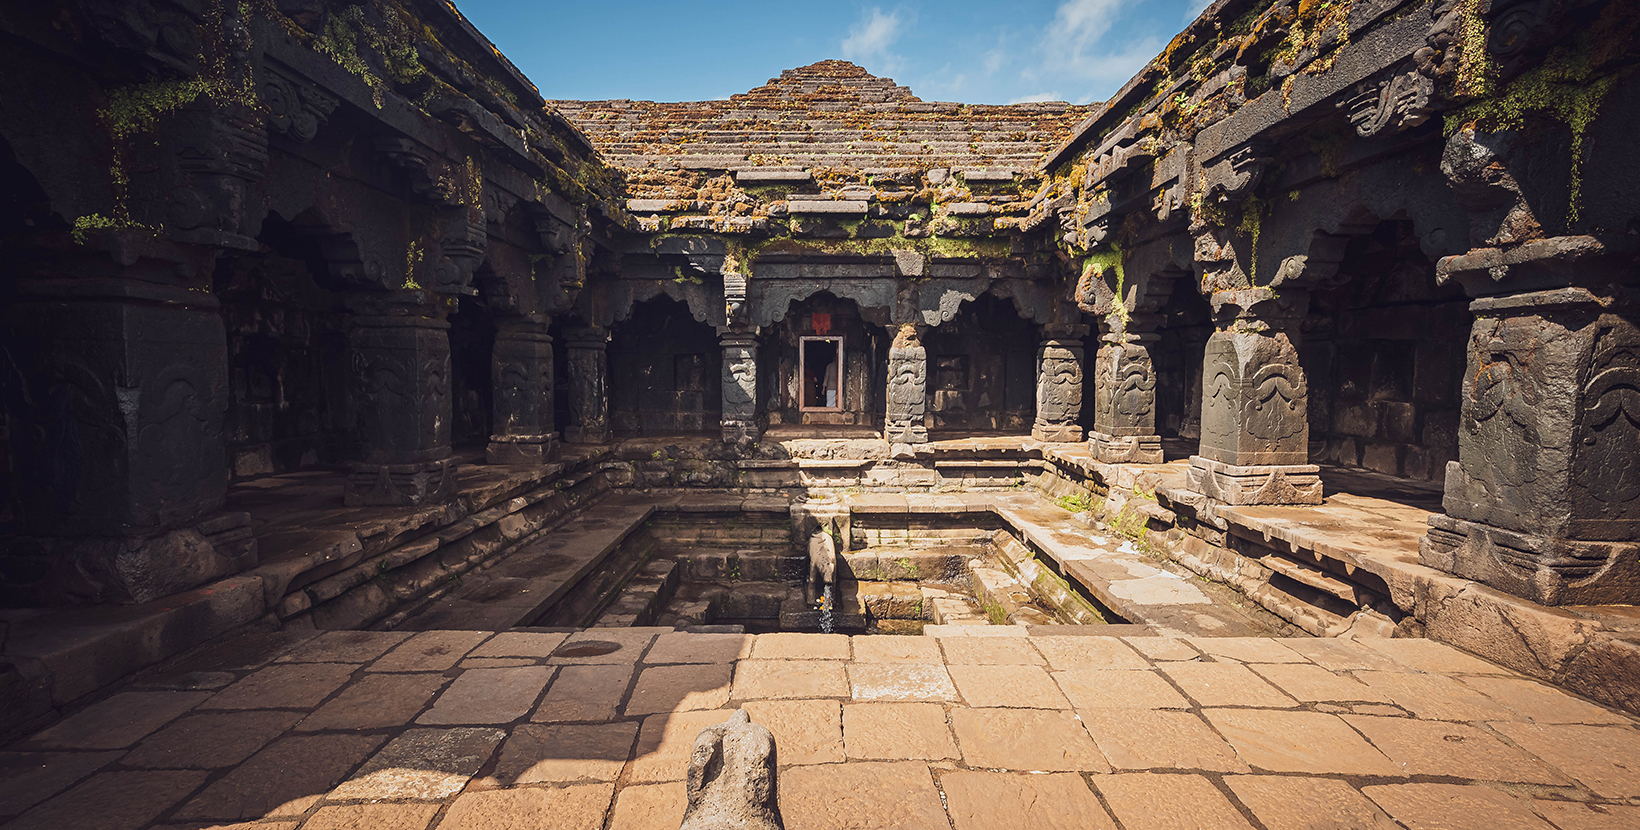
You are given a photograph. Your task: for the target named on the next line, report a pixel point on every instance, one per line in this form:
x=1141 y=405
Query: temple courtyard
x=964 y=727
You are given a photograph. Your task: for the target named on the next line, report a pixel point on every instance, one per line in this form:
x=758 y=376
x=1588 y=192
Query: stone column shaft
x=400 y=352
x=1255 y=434
x=588 y=390
x=1544 y=499
x=521 y=370
x=906 y=422
x=739 y=387
x=1058 y=390
x=1124 y=394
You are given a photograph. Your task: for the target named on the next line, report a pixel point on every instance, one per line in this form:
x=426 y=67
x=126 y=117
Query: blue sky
x=992 y=52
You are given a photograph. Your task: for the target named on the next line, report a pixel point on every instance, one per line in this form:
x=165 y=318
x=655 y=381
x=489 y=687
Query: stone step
x=524 y=586
x=643 y=596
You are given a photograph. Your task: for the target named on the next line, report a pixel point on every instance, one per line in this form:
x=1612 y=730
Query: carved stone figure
x=731 y=781
x=907 y=389
x=822 y=561
x=739 y=387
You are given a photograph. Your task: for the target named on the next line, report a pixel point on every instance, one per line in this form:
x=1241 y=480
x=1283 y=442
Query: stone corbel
x=461 y=249
x=734 y=299
x=1233 y=175
x=1389 y=103
x=295 y=107
x=220 y=153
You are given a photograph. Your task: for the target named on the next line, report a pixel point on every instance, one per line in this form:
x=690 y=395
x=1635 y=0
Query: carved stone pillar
x=1544 y=499
x=1255 y=434
x=521 y=369
x=588 y=392
x=117 y=437
x=907 y=389
x=739 y=386
x=400 y=351
x=1059 y=386
x=1124 y=394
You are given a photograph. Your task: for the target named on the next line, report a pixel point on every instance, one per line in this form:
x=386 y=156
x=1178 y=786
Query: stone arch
x=770 y=299
x=665 y=370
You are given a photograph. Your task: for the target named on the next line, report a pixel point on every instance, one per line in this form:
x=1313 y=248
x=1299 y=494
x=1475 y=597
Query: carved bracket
x=1235 y=174
x=1389 y=104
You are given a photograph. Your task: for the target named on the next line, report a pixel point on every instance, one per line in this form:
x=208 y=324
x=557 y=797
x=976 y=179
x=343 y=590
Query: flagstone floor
x=976 y=727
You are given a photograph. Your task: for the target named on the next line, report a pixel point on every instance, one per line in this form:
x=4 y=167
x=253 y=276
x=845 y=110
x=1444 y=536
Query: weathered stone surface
x=564 y=754
x=776 y=679
x=489 y=696
x=664 y=744
x=1100 y=653
x=376 y=701
x=1299 y=742
x=731 y=781
x=119 y=721
x=1027 y=686
x=1091 y=688
x=649 y=807
x=580 y=807
x=1225 y=684
x=422 y=764
x=285 y=779
x=1594 y=756
x=113 y=801
x=584 y=693
x=383 y=816
x=1139 y=739
x=900 y=681
x=1025 y=739
x=1422 y=748
x=679 y=688
x=209 y=741
x=805 y=731
x=1451 y=805
x=897 y=731
x=1285 y=803
x=1151 y=801
x=1058 y=801
x=430 y=651
x=860 y=796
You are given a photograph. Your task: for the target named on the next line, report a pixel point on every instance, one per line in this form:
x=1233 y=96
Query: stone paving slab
x=389 y=732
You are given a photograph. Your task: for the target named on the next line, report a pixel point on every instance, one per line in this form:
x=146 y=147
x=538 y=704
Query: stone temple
x=383 y=445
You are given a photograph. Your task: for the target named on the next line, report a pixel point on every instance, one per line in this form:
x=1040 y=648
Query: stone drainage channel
x=743 y=561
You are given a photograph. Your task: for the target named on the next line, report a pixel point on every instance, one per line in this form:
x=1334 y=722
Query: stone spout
x=822 y=561
x=731 y=784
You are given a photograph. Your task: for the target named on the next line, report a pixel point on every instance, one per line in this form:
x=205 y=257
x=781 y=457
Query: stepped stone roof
x=831 y=114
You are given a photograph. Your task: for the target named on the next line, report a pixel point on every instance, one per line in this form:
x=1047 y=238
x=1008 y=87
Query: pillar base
x=522 y=450
x=740 y=432
x=127 y=570
x=906 y=433
x=586 y=435
x=1262 y=484
x=1544 y=570
x=1058 y=433
x=1125 y=449
x=411 y=485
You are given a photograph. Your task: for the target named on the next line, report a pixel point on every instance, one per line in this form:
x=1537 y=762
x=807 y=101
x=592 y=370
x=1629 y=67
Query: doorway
x=821 y=358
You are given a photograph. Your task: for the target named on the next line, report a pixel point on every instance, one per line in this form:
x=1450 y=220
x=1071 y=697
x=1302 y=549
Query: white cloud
x=1075 y=50
x=872 y=38
x=1040 y=96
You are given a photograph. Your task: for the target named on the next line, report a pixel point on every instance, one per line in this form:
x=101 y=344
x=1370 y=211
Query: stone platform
x=966 y=728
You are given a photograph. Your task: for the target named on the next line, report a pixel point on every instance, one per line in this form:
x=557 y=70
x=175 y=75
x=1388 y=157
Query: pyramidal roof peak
x=834 y=80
